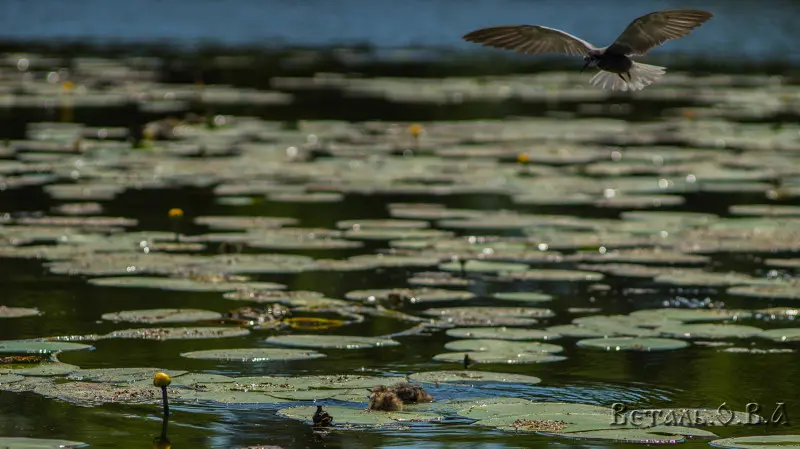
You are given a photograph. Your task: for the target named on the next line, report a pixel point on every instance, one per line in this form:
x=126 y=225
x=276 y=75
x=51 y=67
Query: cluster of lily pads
x=481 y=276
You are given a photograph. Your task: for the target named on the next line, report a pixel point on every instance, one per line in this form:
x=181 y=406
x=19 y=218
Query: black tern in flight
x=617 y=70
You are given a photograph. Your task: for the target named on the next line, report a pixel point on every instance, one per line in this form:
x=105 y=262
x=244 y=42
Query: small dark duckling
x=392 y=398
x=410 y=393
x=383 y=398
x=467 y=361
x=321 y=418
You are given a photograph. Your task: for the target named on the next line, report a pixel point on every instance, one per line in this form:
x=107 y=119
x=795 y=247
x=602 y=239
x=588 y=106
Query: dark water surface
x=740 y=27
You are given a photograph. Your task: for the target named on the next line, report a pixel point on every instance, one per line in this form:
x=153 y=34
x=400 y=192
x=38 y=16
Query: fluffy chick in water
x=393 y=397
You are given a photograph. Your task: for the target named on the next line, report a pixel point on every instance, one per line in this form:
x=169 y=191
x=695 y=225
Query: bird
x=467 y=361
x=617 y=70
x=321 y=418
x=392 y=398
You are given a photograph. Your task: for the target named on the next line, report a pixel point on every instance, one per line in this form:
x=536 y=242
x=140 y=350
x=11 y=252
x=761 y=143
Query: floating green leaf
x=37 y=443
x=469 y=377
x=489 y=316
x=17 y=312
x=118 y=375
x=775 y=291
x=758 y=442
x=38 y=347
x=633 y=344
x=502 y=333
x=789 y=334
x=482 y=266
x=502 y=346
x=523 y=296
x=690 y=315
x=254 y=355
x=347 y=416
x=412 y=296
x=552 y=275
x=181 y=284
x=178 y=333
x=154 y=316
x=720 y=331
x=331 y=341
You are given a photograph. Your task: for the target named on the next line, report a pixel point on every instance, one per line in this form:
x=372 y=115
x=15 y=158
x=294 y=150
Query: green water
x=693 y=377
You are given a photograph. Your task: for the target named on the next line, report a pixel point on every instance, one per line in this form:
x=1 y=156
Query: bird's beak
x=586 y=65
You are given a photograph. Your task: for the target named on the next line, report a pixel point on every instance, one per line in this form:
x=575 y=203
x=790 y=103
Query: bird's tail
x=639 y=76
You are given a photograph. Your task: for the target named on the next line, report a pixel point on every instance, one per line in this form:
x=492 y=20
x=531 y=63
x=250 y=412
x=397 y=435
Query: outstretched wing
x=530 y=39
x=656 y=28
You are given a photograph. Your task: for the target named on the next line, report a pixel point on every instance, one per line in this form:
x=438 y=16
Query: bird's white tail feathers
x=641 y=75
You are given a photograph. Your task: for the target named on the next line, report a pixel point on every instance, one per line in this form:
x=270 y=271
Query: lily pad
x=502 y=346
x=154 y=316
x=253 y=355
x=781 y=335
x=776 y=291
x=272 y=296
x=690 y=315
x=118 y=375
x=710 y=331
x=552 y=275
x=37 y=443
x=229 y=397
x=38 y=347
x=48 y=369
x=468 y=377
x=178 y=333
x=482 y=266
x=758 y=442
x=633 y=344
x=412 y=296
x=331 y=341
x=241 y=223
x=10 y=378
x=347 y=416
x=762 y=210
x=439 y=279
x=502 y=333
x=523 y=296
x=498 y=357
x=499 y=351
x=622 y=436
x=17 y=312
x=382 y=224
x=181 y=284
x=489 y=316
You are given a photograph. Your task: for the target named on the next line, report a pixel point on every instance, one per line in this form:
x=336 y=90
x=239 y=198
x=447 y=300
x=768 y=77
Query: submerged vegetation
x=396 y=270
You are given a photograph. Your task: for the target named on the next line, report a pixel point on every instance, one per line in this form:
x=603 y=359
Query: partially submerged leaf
x=412 y=296
x=118 y=375
x=523 y=296
x=633 y=344
x=17 y=312
x=468 y=377
x=37 y=443
x=153 y=316
x=710 y=331
x=181 y=284
x=348 y=416
x=502 y=333
x=178 y=333
x=38 y=347
x=331 y=341
x=254 y=355
x=758 y=442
